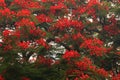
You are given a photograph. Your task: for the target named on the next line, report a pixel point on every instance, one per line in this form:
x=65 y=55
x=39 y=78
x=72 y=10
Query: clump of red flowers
x=95 y=46
x=67 y=23
x=2 y=3
x=57 y=7
x=84 y=63
x=70 y=54
x=23 y=13
x=42 y=18
x=25 y=22
x=24 y=45
x=45 y=61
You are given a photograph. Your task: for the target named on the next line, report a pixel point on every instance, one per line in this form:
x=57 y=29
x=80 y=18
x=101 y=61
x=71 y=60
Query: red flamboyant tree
x=59 y=40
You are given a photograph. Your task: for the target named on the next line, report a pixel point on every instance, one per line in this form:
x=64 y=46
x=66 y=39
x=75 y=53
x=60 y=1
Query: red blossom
x=16 y=33
x=58 y=39
x=111 y=29
x=117 y=77
x=2 y=3
x=93 y=68
x=82 y=10
x=36 y=32
x=43 y=18
x=63 y=23
x=44 y=1
x=66 y=23
x=65 y=37
x=6 y=33
x=93 y=3
x=45 y=61
x=56 y=7
x=34 y=5
x=77 y=24
x=102 y=72
x=70 y=54
x=24 y=45
x=78 y=36
x=84 y=63
x=7 y=13
x=23 y=13
x=7 y=47
x=112 y=19
x=72 y=2
x=25 y=22
x=76 y=78
x=26 y=3
x=74 y=72
x=84 y=77
x=42 y=42
x=91 y=11
x=95 y=46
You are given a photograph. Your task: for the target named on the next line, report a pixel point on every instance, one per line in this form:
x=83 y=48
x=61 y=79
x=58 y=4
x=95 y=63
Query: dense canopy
x=59 y=39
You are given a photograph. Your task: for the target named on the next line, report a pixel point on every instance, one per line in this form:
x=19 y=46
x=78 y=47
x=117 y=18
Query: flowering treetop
x=88 y=30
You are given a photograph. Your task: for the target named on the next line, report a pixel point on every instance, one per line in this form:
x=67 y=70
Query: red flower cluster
x=43 y=18
x=45 y=61
x=70 y=54
x=42 y=42
x=111 y=29
x=23 y=13
x=92 y=12
x=77 y=24
x=102 y=72
x=66 y=23
x=78 y=36
x=26 y=3
x=8 y=48
x=2 y=3
x=16 y=33
x=80 y=75
x=63 y=23
x=117 y=77
x=24 y=45
x=93 y=3
x=84 y=77
x=6 y=12
x=95 y=46
x=11 y=33
x=71 y=2
x=84 y=63
x=57 y=7
x=6 y=33
x=37 y=31
x=25 y=22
